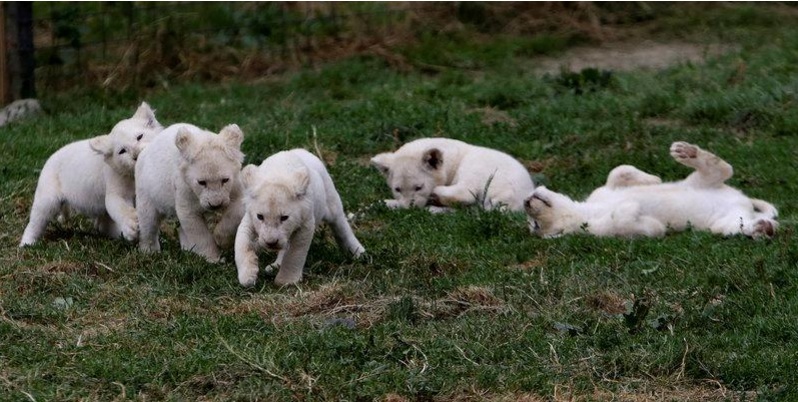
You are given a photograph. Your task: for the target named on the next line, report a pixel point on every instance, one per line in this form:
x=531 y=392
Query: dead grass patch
x=607 y=301
x=491 y=116
x=702 y=392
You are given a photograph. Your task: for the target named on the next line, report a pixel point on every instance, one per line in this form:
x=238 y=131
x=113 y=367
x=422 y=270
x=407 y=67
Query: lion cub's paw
x=271 y=268
x=764 y=228
x=130 y=229
x=682 y=151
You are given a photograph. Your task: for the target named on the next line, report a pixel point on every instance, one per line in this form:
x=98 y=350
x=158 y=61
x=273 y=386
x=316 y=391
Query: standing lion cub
x=634 y=203
x=95 y=178
x=190 y=173
x=449 y=172
x=287 y=196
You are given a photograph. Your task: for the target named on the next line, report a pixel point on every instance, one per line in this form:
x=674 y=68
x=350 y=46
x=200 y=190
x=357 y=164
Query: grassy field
x=460 y=306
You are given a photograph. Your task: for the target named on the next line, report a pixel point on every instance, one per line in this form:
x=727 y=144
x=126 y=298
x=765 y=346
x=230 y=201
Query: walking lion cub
x=191 y=173
x=95 y=178
x=635 y=203
x=287 y=196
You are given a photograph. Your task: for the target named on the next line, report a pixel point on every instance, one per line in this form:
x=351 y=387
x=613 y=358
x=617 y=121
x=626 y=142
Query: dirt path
x=631 y=55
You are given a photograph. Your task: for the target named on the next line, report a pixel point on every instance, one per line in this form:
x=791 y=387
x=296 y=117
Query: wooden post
x=18 y=42
x=25 y=50
x=5 y=88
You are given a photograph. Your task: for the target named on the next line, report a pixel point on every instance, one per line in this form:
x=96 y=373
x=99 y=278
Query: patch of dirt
x=624 y=56
x=491 y=116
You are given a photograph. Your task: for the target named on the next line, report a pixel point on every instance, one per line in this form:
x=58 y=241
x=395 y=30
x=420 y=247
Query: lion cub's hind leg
x=44 y=209
x=710 y=170
x=627 y=176
x=735 y=224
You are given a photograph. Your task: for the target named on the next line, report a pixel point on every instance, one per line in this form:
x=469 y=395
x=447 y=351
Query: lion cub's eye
x=397 y=189
x=259 y=216
x=202 y=183
x=121 y=151
x=225 y=180
x=283 y=218
x=418 y=188
x=139 y=137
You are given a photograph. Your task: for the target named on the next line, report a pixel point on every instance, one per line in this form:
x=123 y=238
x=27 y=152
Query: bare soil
x=625 y=56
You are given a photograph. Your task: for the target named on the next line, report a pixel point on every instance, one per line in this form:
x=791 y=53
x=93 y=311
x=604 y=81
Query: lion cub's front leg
x=245 y=253
x=454 y=194
x=196 y=235
x=225 y=230
x=119 y=198
x=295 y=255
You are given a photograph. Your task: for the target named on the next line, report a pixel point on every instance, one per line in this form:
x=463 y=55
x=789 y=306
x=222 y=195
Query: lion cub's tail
x=764 y=207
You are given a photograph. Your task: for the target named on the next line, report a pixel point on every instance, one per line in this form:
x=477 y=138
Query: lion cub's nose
x=273 y=244
x=214 y=207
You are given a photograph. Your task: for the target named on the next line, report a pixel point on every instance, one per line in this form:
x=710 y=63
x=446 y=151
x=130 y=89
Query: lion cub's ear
x=432 y=159
x=247 y=175
x=383 y=162
x=101 y=145
x=301 y=182
x=146 y=114
x=185 y=143
x=232 y=136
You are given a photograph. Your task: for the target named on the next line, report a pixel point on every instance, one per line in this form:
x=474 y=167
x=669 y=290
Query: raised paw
x=682 y=151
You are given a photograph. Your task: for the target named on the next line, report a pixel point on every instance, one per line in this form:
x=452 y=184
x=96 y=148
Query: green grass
x=450 y=306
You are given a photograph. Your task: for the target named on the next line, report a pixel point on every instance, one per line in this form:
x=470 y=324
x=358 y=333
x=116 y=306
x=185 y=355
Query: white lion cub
x=94 y=177
x=189 y=173
x=634 y=203
x=446 y=172
x=287 y=196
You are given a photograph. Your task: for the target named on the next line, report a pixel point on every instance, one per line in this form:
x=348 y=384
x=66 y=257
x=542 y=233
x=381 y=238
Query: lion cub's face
x=411 y=179
x=211 y=164
x=551 y=214
x=276 y=205
x=122 y=146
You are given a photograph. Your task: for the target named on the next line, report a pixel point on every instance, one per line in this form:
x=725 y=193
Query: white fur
x=287 y=196
x=191 y=173
x=634 y=203
x=94 y=177
x=448 y=172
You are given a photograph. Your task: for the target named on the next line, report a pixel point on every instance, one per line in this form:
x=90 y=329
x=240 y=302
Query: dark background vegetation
x=130 y=46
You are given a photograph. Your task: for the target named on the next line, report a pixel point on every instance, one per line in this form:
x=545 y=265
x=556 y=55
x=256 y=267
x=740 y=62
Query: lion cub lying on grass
x=189 y=173
x=634 y=203
x=448 y=172
x=286 y=197
x=95 y=178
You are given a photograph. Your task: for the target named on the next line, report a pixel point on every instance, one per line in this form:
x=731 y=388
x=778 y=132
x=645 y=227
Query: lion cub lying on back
x=449 y=172
x=286 y=197
x=634 y=203
x=95 y=178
